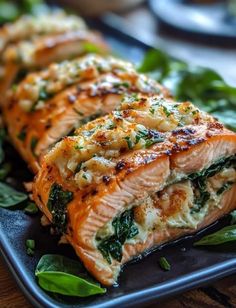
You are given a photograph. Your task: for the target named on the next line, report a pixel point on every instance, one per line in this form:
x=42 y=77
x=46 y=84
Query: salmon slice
x=149 y=172
x=22 y=57
x=48 y=105
x=29 y=26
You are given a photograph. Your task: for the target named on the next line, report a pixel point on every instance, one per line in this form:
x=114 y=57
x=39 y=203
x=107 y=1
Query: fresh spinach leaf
x=124 y=228
x=62 y=275
x=57 y=203
x=9 y=196
x=204 y=87
x=227 y=234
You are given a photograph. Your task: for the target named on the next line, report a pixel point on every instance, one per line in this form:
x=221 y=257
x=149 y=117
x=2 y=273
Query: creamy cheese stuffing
x=173 y=207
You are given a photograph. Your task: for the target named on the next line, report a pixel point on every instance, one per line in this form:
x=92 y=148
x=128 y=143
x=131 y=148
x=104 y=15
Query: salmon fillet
x=28 y=26
x=41 y=46
x=50 y=104
x=147 y=173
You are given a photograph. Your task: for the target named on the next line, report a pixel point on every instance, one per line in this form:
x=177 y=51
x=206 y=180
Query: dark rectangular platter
x=141 y=282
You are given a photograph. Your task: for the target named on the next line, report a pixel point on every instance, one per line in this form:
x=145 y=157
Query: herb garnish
x=227 y=234
x=124 y=228
x=164 y=264
x=150 y=136
x=129 y=142
x=10 y=197
x=65 y=276
x=57 y=203
x=30 y=247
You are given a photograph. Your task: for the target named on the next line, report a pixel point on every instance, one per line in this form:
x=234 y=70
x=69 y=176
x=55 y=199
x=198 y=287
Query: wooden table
x=143 y=25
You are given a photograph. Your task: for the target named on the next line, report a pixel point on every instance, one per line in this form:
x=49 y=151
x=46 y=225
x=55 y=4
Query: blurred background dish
x=213 y=19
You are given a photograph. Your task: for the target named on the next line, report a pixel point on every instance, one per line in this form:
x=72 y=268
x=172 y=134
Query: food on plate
x=50 y=104
x=147 y=173
x=121 y=167
x=33 y=42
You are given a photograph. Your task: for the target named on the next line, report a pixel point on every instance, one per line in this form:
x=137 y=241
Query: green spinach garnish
x=227 y=234
x=57 y=205
x=204 y=87
x=62 y=275
x=124 y=228
x=10 y=197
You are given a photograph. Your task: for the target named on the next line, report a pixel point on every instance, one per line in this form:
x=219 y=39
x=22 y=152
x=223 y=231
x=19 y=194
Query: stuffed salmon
x=31 y=43
x=50 y=104
x=147 y=173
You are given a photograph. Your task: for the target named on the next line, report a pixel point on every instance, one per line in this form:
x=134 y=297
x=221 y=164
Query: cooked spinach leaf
x=9 y=196
x=57 y=205
x=227 y=234
x=204 y=87
x=199 y=181
x=124 y=228
x=62 y=275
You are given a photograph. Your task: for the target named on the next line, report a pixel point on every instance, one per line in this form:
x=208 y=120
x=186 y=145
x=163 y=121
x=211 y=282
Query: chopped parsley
x=164 y=264
x=152 y=110
x=129 y=142
x=30 y=247
x=166 y=111
x=150 y=136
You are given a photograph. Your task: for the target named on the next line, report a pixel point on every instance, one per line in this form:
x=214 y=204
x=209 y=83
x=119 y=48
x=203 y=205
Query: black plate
x=207 y=20
x=141 y=282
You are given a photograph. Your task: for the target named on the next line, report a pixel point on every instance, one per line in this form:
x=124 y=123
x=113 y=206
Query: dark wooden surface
x=143 y=25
